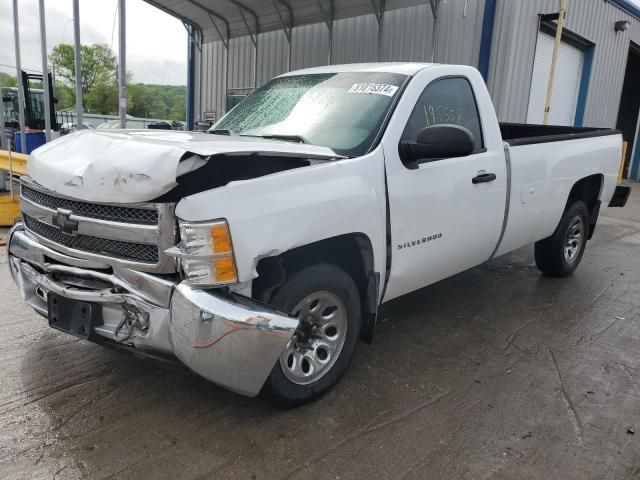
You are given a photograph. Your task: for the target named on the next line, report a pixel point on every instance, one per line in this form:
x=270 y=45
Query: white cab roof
x=403 y=68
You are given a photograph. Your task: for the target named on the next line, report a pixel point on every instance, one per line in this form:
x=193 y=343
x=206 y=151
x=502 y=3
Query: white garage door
x=566 y=83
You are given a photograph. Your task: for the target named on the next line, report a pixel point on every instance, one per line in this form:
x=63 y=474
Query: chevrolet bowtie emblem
x=62 y=220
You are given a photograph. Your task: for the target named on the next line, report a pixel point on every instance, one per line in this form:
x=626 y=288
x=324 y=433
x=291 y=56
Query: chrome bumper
x=228 y=339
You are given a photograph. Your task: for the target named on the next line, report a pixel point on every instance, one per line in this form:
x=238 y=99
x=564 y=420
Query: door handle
x=484 y=178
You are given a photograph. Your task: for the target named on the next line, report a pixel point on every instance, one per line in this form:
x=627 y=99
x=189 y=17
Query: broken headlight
x=205 y=253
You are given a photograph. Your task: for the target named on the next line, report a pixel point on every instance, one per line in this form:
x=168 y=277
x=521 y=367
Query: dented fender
x=270 y=215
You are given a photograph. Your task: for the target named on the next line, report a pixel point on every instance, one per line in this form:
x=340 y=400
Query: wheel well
x=352 y=252
x=588 y=190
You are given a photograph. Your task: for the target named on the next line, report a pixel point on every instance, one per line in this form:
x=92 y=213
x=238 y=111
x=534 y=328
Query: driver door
x=442 y=219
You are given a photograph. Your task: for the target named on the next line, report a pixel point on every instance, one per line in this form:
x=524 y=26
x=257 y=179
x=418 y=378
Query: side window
x=446 y=101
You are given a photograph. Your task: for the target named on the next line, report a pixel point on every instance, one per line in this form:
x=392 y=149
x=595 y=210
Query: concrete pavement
x=495 y=373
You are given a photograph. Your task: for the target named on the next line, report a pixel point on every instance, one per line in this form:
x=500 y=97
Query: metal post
x=379 y=13
x=45 y=73
x=226 y=76
x=330 y=57
x=435 y=10
x=2 y=133
x=16 y=38
x=122 y=63
x=191 y=78
x=554 y=59
x=286 y=28
x=76 y=41
x=255 y=63
x=328 y=20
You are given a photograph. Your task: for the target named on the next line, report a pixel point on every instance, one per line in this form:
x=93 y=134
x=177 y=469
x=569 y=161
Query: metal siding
x=241 y=54
x=310 y=46
x=407 y=37
x=513 y=51
x=212 y=78
x=273 y=51
x=355 y=40
x=459 y=32
x=407 y=34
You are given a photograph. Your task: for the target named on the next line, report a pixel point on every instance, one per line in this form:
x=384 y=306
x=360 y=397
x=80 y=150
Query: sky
x=156 y=41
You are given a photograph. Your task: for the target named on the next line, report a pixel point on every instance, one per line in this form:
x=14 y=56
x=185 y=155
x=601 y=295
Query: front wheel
x=326 y=301
x=560 y=254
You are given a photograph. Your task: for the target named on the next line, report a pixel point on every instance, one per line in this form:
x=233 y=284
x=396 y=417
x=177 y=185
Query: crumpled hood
x=126 y=166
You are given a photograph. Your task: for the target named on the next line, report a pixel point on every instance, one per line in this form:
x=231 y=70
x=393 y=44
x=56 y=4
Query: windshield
x=342 y=111
x=10 y=104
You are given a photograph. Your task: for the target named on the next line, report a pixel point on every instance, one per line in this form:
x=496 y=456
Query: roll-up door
x=566 y=83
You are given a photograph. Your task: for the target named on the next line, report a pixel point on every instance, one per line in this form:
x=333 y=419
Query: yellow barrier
x=9 y=209
x=19 y=161
x=10 y=206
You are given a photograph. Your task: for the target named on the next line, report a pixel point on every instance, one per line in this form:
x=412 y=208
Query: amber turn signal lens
x=225 y=269
x=220 y=239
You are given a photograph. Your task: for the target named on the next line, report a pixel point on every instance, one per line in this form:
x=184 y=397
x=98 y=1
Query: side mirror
x=436 y=142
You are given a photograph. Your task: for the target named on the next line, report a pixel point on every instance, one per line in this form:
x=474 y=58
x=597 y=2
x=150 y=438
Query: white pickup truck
x=259 y=253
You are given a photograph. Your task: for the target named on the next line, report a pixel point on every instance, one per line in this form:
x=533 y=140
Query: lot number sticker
x=376 y=88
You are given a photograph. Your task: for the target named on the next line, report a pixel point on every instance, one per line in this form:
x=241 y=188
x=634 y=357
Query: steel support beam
x=287 y=28
x=122 y=63
x=435 y=10
x=252 y=35
x=78 y=57
x=191 y=78
x=328 y=16
x=378 y=11
x=3 y=139
x=16 y=38
x=45 y=72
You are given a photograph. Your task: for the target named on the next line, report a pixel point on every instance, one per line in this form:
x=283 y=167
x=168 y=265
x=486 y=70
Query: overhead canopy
x=224 y=19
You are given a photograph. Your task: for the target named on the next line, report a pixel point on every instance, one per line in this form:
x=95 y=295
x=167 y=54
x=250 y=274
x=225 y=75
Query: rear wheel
x=560 y=254
x=326 y=301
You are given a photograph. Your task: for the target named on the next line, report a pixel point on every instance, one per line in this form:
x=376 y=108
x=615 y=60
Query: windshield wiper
x=220 y=131
x=287 y=138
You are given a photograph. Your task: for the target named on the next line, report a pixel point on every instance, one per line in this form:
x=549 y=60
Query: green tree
x=65 y=95
x=98 y=64
x=143 y=102
x=7 y=80
x=103 y=98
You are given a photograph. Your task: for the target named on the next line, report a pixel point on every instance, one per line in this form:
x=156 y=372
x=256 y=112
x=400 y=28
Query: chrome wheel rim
x=574 y=239
x=318 y=340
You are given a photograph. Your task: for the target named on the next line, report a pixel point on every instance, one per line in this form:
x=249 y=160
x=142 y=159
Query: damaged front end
x=101 y=253
x=229 y=339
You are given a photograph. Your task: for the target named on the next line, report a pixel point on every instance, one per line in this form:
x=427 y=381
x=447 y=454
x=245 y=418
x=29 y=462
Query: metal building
x=238 y=45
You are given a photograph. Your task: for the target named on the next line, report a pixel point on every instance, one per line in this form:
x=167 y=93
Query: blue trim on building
x=486 y=38
x=627 y=6
x=191 y=73
x=584 y=85
x=634 y=170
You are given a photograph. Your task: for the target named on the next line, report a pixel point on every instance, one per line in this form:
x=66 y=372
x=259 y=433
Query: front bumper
x=229 y=339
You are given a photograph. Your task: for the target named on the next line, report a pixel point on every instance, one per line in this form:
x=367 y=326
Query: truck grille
x=100 y=246
x=132 y=235
x=92 y=210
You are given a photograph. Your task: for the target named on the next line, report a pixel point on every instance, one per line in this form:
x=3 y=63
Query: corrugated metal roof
x=223 y=19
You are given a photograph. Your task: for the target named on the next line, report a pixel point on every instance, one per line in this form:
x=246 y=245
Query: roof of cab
x=403 y=68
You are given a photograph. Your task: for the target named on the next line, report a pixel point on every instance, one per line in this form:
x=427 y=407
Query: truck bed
x=525 y=134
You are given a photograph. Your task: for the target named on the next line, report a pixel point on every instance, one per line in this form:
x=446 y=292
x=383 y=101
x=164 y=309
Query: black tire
x=550 y=254
x=321 y=278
